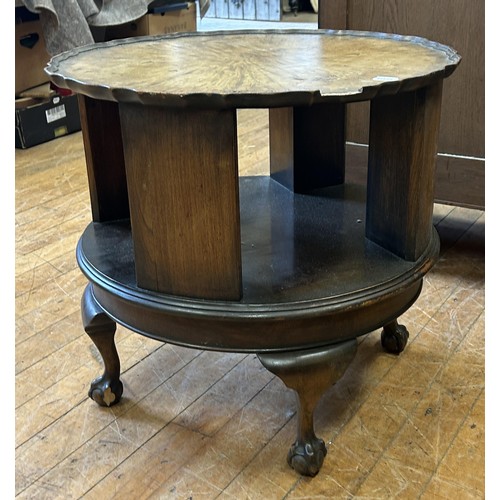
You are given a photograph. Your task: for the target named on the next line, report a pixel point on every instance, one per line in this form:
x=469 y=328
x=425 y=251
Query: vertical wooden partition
x=184 y=204
x=307 y=146
x=402 y=157
x=102 y=141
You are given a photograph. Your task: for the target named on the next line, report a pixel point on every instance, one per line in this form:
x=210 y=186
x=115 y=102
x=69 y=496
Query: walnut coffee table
x=293 y=266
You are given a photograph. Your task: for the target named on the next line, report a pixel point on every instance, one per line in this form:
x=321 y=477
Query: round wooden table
x=293 y=266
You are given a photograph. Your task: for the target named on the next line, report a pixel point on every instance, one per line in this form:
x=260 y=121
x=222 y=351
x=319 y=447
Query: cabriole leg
x=309 y=373
x=107 y=389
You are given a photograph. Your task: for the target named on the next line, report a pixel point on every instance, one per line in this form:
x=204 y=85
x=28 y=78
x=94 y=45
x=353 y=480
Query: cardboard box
x=39 y=121
x=31 y=53
x=178 y=18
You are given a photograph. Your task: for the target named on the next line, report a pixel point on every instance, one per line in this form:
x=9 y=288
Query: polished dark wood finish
x=460 y=178
x=403 y=147
x=310 y=277
x=307 y=146
x=107 y=389
x=104 y=154
x=182 y=172
x=294 y=270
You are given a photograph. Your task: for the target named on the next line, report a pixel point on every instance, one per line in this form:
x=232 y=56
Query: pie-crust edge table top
x=252 y=68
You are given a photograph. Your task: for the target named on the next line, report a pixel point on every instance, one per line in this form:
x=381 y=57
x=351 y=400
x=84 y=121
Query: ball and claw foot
x=307 y=458
x=394 y=337
x=106 y=392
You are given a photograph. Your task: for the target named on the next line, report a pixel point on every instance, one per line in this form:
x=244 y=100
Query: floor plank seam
x=451 y=442
x=260 y=450
x=85 y=400
x=412 y=410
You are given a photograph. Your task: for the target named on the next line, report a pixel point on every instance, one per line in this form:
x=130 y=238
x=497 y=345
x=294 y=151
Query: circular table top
x=252 y=68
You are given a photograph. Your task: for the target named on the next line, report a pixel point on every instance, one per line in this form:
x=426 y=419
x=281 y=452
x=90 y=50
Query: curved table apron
x=293 y=266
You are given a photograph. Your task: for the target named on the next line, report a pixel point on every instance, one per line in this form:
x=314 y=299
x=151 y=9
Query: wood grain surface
x=182 y=173
x=252 y=68
x=401 y=162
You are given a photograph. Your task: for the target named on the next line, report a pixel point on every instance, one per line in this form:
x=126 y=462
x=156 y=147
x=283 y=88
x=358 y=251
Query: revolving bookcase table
x=294 y=265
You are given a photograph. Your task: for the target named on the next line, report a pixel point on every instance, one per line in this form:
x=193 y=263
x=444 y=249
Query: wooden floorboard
x=205 y=425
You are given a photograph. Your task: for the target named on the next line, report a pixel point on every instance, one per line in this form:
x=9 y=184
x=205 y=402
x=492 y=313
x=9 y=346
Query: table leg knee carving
x=107 y=389
x=309 y=373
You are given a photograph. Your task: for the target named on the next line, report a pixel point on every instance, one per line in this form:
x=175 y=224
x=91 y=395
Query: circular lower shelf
x=310 y=276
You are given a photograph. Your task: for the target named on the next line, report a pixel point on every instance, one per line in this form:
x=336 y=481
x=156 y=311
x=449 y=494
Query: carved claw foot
x=107 y=389
x=394 y=337
x=106 y=392
x=309 y=373
x=307 y=458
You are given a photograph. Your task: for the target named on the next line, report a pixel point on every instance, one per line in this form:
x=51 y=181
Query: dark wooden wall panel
x=332 y=14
